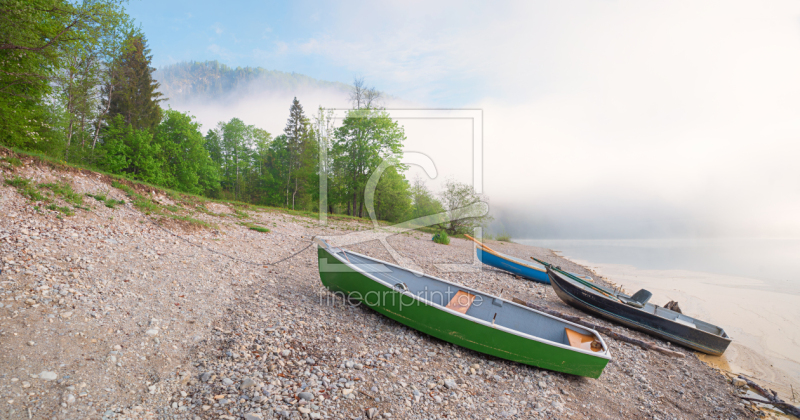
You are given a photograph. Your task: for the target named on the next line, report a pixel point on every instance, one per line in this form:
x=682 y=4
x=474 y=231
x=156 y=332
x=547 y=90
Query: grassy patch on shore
x=66 y=211
x=65 y=191
x=107 y=201
x=26 y=188
x=255 y=227
x=144 y=204
x=11 y=162
x=192 y=221
x=35 y=194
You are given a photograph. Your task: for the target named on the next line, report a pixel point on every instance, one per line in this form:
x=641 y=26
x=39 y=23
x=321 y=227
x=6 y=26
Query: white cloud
x=635 y=118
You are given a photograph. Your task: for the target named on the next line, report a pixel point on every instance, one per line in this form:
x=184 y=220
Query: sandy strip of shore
x=764 y=324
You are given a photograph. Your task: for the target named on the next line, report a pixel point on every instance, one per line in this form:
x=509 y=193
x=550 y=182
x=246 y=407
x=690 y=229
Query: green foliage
x=107 y=201
x=12 y=161
x=299 y=157
x=185 y=162
x=131 y=90
x=392 y=197
x=424 y=203
x=144 y=204
x=26 y=188
x=61 y=209
x=126 y=188
x=441 y=238
x=131 y=151
x=504 y=237
x=366 y=138
x=464 y=208
x=42 y=44
x=192 y=221
x=64 y=190
x=255 y=227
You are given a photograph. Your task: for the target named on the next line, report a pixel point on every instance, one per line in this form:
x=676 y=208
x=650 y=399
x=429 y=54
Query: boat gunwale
x=506 y=257
x=622 y=319
x=606 y=354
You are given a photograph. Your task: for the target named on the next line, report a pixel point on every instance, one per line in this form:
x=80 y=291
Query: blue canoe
x=529 y=270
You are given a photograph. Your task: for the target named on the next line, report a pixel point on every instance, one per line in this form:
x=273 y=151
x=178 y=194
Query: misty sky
x=607 y=119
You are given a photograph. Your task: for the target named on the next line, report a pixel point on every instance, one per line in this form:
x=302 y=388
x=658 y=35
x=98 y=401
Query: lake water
x=750 y=287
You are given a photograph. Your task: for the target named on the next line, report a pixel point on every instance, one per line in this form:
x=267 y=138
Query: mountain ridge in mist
x=214 y=80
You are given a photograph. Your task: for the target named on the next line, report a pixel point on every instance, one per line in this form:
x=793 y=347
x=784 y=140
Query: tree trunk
x=294 y=194
x=355 y=200
x=69 y=139
x=100 y=118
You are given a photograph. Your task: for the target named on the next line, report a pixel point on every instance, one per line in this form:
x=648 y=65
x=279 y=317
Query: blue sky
x=681 y=116
x=333 y=41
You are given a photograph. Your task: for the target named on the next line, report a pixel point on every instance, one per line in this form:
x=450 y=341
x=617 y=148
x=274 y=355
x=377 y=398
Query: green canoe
x=463 y=316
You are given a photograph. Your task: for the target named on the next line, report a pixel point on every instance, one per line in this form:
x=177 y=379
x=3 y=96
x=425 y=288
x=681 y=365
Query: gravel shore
x=106 y=314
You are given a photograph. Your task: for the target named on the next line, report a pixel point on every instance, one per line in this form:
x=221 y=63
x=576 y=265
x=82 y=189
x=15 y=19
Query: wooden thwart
x=583 y=341
x=461 y=302
x=601 y=329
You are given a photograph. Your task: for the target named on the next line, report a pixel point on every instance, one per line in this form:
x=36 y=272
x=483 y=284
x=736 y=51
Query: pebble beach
x=115 y=314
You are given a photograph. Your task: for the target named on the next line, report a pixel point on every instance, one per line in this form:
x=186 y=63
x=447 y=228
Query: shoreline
x=746 y=354
x=134 y=322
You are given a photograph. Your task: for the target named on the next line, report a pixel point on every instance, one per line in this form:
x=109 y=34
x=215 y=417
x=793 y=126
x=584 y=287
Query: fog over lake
x=600 y=120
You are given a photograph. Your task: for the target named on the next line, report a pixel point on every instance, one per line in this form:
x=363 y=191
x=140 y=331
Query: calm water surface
x=750 y=287
x=774 y=261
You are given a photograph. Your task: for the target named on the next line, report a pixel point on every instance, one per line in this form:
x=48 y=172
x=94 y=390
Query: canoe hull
x=639 y=320
x=433 y=320
x=512 y=267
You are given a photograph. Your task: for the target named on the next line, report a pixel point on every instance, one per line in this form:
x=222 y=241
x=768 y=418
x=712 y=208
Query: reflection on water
x=720 y=282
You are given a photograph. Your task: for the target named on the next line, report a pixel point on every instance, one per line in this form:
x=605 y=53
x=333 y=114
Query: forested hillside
x=78 y=85
x=212 y=79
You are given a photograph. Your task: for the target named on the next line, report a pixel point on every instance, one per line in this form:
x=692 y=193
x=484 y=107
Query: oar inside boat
x=578 y=279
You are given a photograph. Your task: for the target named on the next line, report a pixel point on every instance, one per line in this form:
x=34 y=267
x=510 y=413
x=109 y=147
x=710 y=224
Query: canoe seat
x=461 y=302
x=638 y=300
x=583 y=341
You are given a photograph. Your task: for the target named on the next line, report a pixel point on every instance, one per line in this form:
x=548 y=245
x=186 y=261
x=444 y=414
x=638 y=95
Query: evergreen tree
x=299 y=139
x=131 y=90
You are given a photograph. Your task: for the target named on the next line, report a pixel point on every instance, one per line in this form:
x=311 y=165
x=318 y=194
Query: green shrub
x=504 y=237
x=441 y=238
x=255 y=227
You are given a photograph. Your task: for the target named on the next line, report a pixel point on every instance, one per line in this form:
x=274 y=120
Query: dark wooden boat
x=463 y=316
x=635 y=312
